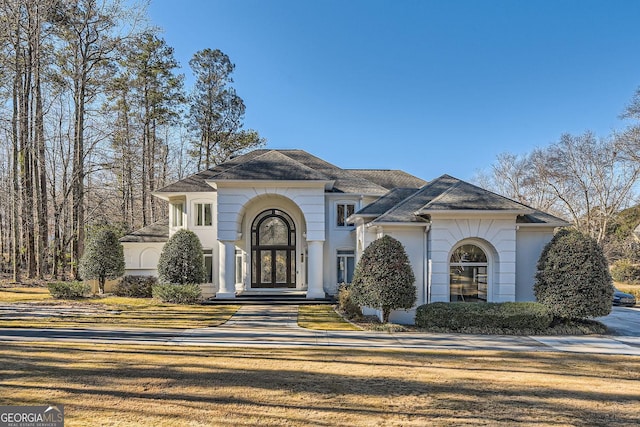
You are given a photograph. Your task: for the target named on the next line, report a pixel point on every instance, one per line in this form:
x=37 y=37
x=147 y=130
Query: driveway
x=623 y=321
x=276 y=326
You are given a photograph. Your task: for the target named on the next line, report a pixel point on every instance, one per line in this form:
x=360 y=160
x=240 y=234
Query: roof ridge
x=239 y=164
x=401 y=202
x=445 y=192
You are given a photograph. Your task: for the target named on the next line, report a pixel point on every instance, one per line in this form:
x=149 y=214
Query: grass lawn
x=172 y=385
x=24 y=294
x=108 y=311
x=322 y=317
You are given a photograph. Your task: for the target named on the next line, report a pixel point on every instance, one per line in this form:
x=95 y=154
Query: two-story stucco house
x=282 y=220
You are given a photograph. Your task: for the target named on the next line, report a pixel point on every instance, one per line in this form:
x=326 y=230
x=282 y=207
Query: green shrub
x=498 y=317
x=177 y=293
x=624 y=271
x=346 y=304
x=573 y=278
x=383 y=278
x=68 y=290
x=135 y=286
x=103 y=257
x=182 y=260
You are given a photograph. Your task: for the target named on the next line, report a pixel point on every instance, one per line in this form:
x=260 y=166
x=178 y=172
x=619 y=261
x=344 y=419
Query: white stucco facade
x=304 y=231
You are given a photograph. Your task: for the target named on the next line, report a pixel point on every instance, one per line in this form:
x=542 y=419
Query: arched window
x=468 y=274
x=273 y=246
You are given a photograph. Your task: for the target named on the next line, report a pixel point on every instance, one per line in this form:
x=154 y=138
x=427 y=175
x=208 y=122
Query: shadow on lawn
x=475 y=391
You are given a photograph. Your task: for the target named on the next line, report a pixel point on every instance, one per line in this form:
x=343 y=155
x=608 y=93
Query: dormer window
x=344 y=211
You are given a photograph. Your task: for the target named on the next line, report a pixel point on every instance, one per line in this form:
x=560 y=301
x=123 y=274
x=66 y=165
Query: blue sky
x=430 y=87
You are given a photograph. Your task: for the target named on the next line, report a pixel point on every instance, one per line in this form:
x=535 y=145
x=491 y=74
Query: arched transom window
x=468 y=274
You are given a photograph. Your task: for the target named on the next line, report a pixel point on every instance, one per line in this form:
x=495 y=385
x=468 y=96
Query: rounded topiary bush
x=182 y=260
x=383 y=278
x=573 y=278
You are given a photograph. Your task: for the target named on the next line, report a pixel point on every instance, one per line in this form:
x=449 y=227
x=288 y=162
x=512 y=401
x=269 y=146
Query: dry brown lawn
x=109 y=311
x=110 y=385
x=324 y=318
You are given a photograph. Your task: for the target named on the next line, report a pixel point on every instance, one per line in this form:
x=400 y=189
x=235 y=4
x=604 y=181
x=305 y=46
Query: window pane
x=265 y=264
x=351 y=265
x=208 y=218
x=254 y=267
x=281 y=266
x=341 y=269
x=199 y=214
x=274 y=231
x=238 y=267
x=340 y=215
x=292 y=255
x=468 y=253
x=177 y=214
x=350 y=211
x=208 y=266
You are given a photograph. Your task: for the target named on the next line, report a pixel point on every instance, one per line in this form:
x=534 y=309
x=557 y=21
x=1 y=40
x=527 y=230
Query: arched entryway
x=469 y=274
x=273 y=250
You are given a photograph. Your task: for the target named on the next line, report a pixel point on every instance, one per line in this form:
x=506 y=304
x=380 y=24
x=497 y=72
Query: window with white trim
x=208 y=264
x=468 y=269
x=346 y=265
x=239 y=265
x=177 y=211
x=344 y=211
x=204 y=214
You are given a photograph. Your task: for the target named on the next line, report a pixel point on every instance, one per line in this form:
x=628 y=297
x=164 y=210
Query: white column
x=315 y=288
x=226 y=278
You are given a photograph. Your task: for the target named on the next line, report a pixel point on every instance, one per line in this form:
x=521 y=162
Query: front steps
x=270 y=298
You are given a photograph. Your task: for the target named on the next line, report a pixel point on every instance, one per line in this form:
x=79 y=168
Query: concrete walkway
x=276 y=326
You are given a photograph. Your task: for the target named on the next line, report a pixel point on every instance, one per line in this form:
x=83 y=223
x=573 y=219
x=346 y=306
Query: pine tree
x=217 y=112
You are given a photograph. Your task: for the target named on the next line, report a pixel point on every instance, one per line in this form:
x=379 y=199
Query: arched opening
x=273 y=248
x=468 y=272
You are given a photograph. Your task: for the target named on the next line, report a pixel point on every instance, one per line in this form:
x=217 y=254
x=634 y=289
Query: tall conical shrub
x=573 y=278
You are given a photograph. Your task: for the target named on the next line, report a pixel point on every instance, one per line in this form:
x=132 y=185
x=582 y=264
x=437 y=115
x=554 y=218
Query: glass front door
x=273 y=248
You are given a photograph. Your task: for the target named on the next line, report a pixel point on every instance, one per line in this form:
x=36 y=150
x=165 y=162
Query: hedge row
x=459 y=317
x=67 y=290
x=177 y=294
x=135 y=286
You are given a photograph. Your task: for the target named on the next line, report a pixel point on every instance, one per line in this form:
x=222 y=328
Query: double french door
x=273 y=249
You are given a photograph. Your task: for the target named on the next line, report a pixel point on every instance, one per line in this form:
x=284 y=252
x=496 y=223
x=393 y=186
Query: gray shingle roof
x=386 y=202
x=447 y=193
x=271 y=165
x=264 y=164
x=460 y=195
x=389 y=178
x=157 y=232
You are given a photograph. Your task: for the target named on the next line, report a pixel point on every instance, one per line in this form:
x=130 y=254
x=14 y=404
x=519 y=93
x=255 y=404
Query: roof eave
x=399 y=223
x=474 y=212
x=543 y=224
